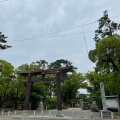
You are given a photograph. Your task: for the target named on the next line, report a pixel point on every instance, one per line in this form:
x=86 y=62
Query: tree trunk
x=16 y=104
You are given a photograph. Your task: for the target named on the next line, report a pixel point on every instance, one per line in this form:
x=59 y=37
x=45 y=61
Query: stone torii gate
x=57 y=72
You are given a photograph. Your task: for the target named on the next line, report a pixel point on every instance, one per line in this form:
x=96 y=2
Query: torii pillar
x=59 y=98
x=27 y=96
x=28 y=91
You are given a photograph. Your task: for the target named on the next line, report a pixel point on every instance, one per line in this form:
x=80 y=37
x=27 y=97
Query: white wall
x=112 y=103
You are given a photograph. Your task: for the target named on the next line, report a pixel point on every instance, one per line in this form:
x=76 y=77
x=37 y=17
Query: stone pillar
x=103 y=96
x=81 y=103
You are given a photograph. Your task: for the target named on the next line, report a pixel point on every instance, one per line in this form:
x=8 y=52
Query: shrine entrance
x=43 y=73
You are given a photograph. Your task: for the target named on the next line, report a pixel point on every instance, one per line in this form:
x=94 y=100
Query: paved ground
x=70 y=114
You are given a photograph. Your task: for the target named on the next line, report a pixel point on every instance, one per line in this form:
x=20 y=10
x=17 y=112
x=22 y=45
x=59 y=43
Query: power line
x=47 y=35
x=56 y=32
x=3 y=1
x=115 y=16
x=85 y=40
x=51 y=36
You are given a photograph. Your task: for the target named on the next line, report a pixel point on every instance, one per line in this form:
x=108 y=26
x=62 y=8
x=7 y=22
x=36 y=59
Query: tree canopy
x=71 y=86
x=3 y=41
x=106 y=27
x=106 y=55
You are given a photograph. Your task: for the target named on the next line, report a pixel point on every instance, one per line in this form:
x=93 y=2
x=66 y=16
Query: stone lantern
x=40 y=106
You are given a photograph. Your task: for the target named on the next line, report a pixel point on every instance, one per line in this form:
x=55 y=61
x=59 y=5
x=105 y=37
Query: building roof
x=114 y=96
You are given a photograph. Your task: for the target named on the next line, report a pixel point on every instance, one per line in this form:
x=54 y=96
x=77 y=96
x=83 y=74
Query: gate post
x=59 y=99
x=28 y=90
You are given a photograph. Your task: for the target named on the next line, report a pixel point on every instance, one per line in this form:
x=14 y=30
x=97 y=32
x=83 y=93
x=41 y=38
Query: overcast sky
x=26 y=21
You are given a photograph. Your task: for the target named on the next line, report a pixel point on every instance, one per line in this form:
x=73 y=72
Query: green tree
x=84 y=97
x=3 y=41
x=106 y=55
x=16 y=93
x=43 y=64
x=27 y=67
x=70 y=87
x=106 y=27
x=107 y=49
x=60 y=63
x=6 y=70
x=11 y=89
x=94 y=86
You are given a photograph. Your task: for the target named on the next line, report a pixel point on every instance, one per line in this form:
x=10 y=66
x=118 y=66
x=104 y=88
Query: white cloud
x=31 y=18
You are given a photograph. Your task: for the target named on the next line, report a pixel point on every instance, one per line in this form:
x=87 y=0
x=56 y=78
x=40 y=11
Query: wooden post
x=59 y=98
x=28 y=90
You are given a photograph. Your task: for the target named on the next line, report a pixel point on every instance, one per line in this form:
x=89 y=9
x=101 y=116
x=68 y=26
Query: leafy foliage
x=61 y=63
x=5 y=83
x=43 y=63
x=106 y=27
x=3 y=41
x=106 y=55
x=71 y=86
